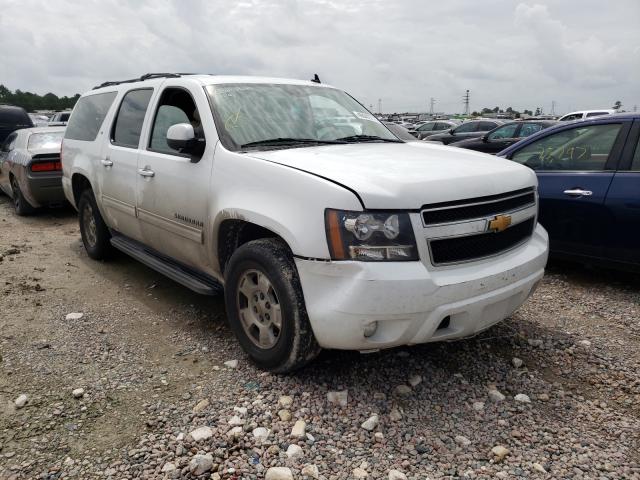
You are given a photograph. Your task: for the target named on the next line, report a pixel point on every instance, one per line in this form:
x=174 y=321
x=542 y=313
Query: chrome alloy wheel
x=89 y=223
x=259 y=309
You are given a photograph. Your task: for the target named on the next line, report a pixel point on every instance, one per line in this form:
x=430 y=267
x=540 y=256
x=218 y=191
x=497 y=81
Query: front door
x=575 y=168
x=173 y=188
x=119 y=163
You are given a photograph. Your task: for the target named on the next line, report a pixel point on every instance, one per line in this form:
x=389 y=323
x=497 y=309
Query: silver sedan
x=30 y=168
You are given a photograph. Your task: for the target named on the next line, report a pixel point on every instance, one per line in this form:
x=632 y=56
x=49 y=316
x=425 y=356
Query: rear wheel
x=95 y=233
x=266 y=307
x=21 y=205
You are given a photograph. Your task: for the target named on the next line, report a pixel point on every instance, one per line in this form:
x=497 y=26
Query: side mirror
x=485 y=138
x=182 y=137
x=451 y=131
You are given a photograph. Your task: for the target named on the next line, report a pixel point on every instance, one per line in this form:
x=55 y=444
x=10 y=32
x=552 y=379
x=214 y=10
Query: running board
x=193 y=280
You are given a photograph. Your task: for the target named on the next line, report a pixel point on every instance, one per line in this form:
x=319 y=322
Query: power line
x=466 y=102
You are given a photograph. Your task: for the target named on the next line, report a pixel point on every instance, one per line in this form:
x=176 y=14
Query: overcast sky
x=524 y=54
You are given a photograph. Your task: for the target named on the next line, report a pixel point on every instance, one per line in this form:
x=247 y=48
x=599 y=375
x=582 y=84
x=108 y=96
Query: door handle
x=146 y=172
x=106 y=162
x=578 y=192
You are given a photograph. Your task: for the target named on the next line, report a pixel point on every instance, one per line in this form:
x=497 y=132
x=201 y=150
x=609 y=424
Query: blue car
x=589 y=187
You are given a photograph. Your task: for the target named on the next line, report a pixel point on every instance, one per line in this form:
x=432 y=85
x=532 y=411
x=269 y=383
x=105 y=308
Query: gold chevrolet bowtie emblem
x=500 y=223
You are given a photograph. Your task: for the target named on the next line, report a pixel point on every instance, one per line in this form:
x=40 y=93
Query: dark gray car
x=30 y=168
x=470 y=129
x=434 y=126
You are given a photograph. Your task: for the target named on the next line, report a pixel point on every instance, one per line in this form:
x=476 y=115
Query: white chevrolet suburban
x=325 y=230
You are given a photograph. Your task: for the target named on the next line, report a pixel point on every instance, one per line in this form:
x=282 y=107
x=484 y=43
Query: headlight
x=370 y=237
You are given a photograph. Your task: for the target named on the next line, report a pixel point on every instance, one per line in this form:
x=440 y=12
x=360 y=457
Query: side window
x=582 y=149
x=88 y=115
x=175 y=106
x=442 y=126
x=467 y=127
x=529 y=129
x=486 y=126
x=635 y=163
x=426 y=127
x=128 y=124
x=508 y=131
x=596 y=114
x=575 y=116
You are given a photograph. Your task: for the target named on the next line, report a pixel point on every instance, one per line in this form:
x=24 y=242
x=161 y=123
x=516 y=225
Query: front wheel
x=266 y=307
x=95 y=233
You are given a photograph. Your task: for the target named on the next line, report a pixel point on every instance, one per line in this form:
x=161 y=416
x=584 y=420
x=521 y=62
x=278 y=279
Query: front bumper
x=410 y=300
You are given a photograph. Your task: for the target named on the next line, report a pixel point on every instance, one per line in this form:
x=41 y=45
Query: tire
x=95 y=233
x=289 y=345
x=22 y=207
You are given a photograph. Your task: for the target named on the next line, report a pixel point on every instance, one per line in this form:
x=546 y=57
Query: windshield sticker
x=365 y=116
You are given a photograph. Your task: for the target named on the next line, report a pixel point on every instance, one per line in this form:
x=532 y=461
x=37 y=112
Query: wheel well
x=79 y=183
x=235 y=233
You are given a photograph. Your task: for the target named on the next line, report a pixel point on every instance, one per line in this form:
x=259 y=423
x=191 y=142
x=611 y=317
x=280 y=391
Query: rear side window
x=635 y=164
x=486 y=126
x=467 y=127
x=88 y=115
x=128 y=124
x=597 y=114
x=529 y=129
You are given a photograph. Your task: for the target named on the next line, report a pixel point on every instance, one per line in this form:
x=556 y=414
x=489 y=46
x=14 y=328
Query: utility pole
x=432 y=102
x=553 y=107
x=635 y=108
x=379 y=105
x=465 y=98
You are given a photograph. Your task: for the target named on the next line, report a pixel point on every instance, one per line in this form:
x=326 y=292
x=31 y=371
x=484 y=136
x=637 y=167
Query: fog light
x=370 y=329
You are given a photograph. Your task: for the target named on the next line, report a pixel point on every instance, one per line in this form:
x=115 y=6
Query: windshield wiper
x=368 y=138
x=290 y=141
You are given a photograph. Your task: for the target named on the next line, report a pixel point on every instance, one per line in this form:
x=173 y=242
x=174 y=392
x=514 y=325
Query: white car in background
x=581 y=114
x=322 y=236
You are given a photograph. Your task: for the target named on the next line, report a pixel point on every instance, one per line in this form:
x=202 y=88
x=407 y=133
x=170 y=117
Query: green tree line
x=32 y=101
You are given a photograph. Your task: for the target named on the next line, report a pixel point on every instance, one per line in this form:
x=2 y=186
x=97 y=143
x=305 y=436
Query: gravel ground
x=137 y=387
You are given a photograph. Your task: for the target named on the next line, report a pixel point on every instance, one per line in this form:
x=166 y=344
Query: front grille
x=463 y=249
x=477 y=207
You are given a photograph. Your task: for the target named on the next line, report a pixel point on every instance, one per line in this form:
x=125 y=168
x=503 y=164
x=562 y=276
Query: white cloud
x=581 y=53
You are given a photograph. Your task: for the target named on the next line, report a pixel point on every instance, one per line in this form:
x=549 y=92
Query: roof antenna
x=316 y=78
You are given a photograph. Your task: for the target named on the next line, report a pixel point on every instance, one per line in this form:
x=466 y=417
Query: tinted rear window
x=14 y=117
x=128 y=124
x=87 y=117
x=45 y=141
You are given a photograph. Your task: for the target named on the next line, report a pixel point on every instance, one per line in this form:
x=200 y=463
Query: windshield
x=45 y=141
x=276 y=115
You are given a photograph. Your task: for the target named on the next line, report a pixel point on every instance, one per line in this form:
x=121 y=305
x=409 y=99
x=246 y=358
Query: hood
x=406 y=175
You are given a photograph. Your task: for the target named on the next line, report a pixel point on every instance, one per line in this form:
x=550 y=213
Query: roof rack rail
x=146 y=76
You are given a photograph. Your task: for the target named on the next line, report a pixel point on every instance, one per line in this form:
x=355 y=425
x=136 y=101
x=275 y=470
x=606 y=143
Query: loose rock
x=310 y=471
x=21 y=401
x=200 y=464
x=78 y=393
x=74 y=316
x=201 y=433
x=517 y=362
x=496 y=396
x=396 y=475
x=500 y=452
x=231 y=364
x=299 y=429
x=371 y=423
x=522 y=398
x=294 y=451
x=279 y=473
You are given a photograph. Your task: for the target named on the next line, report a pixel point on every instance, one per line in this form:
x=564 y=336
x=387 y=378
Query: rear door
x=575 y=167
x=117 y=172
x=623 y=201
